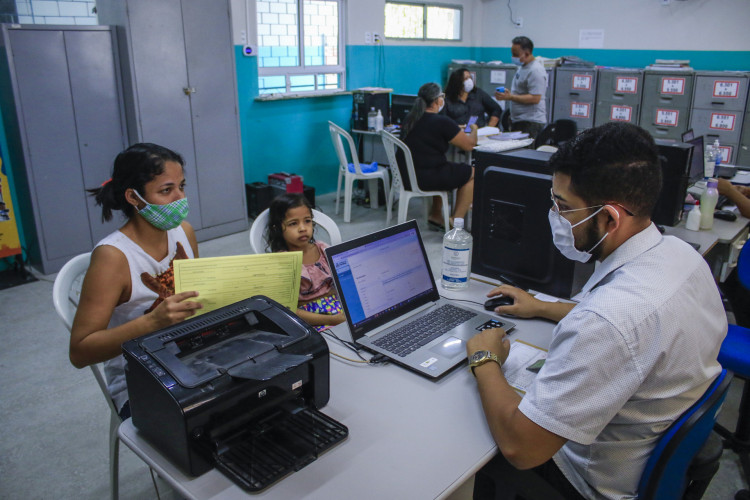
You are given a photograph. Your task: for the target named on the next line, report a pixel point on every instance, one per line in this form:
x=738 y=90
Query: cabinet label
x=621 y=113
x=582 y=82
x=723 y=88
x=497 y=76
x=721 y=121
x=667 y=117
x=627 y=85
x=726 y=153
x=579 y=109
x=673 y=86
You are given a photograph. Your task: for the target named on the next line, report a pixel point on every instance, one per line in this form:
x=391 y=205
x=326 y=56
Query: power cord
x=513 y=21
x=463 y=300
x=374 y=360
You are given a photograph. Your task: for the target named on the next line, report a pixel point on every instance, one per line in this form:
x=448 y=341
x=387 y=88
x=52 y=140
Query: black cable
x=511 y=14
x=345 y=343
x=463 y=300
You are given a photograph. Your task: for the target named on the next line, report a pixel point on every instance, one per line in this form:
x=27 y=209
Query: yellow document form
x=221 y=281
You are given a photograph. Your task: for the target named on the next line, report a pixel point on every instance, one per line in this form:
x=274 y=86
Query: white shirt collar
x=629 y=250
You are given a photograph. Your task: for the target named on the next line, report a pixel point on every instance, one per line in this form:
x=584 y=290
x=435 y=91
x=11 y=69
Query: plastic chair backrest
x=545 y=137
x=664 y=476
x=743 y=265
x=258 y=229
x=390 y=143
x=564 y=131
x=66 y=292
x=337 y=133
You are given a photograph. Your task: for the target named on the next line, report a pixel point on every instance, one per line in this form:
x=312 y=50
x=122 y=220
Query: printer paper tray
x=282 y=443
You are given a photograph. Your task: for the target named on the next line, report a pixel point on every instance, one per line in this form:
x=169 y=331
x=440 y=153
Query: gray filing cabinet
x=497 y=75
x=550 y=96
x=180 y=91
x=665 y=107
x=618 y=95
x=719 y=100
x=743 y=152
x=575 y=95
x=62 y=110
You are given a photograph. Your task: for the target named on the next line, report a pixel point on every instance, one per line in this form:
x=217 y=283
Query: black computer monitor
x=510 y=225
x=697 y=169
x=688 y=135
x=401 y=104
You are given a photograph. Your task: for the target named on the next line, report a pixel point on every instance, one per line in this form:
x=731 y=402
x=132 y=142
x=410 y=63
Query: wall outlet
x=376 y=38
x=368 y=38
x=519 y=22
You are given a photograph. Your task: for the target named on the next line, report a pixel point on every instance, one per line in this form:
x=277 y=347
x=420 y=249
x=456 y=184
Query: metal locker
x=618 y=95
x=575 y=95
x=665 y=106
x=62 y=109
x=181 y=92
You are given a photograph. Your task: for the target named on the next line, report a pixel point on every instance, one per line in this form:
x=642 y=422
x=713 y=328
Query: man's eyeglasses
x=557 y=210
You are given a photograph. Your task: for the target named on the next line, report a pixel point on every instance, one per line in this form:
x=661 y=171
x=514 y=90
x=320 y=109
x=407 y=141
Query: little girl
x=290 y=229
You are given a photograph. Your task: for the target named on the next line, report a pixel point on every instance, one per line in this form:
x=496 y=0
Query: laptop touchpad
x=449 y=347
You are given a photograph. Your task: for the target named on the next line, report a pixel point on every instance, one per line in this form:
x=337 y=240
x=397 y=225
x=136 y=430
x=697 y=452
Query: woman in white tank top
x=128 y=290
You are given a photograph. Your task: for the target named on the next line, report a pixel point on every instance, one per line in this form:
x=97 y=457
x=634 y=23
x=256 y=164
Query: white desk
x=715 y=244
x=409 y=437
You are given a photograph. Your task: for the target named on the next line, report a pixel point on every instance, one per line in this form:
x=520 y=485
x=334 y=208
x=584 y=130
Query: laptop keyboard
x=424 y=330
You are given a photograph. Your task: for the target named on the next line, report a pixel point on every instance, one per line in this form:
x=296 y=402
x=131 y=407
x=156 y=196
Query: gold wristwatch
x=481 y=357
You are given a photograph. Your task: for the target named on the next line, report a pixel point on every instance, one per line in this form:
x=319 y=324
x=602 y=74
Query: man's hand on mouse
x=524 y=304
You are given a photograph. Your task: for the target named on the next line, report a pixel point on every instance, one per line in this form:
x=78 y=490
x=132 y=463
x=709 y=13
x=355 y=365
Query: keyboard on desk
x=422 y=331
x=494 y=146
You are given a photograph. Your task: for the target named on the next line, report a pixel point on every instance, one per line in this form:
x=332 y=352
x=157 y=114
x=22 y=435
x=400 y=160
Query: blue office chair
x=735 y=356
x=684 y=460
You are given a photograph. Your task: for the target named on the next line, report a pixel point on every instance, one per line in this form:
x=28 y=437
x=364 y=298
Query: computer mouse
x=500 y=300
x=725 y=215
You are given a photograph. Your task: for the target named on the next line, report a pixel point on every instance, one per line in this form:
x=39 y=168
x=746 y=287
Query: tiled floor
x=53 y=418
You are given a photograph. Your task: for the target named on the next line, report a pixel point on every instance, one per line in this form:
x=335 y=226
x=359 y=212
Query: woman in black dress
x=428 y=135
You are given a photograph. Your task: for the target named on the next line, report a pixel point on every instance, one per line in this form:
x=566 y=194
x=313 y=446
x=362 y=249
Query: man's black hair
x=616 y=162
x=524 y=43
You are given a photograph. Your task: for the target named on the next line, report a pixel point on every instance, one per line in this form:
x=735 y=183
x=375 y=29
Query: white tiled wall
x=56 y=11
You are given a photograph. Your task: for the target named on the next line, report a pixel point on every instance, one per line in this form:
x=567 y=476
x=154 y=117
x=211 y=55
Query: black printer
x=238 y=389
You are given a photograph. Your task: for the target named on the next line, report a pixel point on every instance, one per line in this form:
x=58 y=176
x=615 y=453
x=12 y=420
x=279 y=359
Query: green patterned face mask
x=164 y=217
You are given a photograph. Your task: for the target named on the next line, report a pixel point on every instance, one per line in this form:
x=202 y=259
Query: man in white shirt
x=636 y=351
x=528 y=110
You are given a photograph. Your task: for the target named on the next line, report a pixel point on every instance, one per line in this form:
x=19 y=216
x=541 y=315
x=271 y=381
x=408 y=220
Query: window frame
x=424 y=6
x=289 y=71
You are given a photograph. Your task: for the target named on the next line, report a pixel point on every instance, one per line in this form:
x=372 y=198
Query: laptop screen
x=381 y=276
x=696 y=163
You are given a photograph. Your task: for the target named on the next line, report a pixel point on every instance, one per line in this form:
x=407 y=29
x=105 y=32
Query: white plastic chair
x=258 y=229
x=66 y=293
x=390 y=142
x=337 y=133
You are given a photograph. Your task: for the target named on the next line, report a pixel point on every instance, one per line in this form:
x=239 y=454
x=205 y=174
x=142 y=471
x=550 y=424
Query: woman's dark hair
x=615 y=162
x=133 y=168
x=455 y=84
x=428 y=93
x=276 y=215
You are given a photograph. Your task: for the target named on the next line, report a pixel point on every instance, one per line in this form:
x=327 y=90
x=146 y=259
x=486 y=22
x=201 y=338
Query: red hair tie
x=107 y=181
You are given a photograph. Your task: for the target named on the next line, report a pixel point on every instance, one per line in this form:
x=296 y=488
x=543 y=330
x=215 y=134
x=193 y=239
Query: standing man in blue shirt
x=637 y=349
x=528 y=110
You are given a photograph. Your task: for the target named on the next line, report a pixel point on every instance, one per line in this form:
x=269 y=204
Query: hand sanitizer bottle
x=457 y=244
